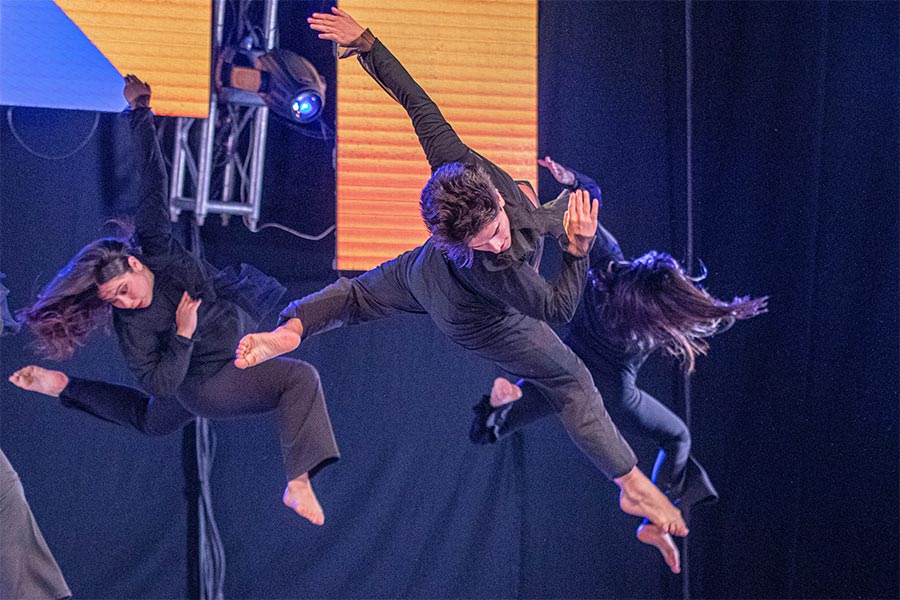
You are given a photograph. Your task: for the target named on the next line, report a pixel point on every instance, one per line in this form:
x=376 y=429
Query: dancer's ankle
x=294 y=325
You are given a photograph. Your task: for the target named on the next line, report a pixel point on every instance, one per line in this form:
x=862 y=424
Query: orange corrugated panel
x=478 y=61
x=164 y=42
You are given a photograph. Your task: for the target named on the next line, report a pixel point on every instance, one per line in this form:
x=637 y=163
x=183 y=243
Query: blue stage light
x=306 y=107
x=282 y=80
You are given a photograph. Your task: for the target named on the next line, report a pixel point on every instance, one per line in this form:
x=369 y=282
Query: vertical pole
x=176 y=184
x=261 y=125
x=689 y=250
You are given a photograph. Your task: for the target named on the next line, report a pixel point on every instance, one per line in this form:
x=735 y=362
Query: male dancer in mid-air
x=475 y=277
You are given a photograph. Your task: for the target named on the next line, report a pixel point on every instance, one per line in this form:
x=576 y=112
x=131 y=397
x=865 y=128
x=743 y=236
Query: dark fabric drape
x=797 y=164
x=795 y=195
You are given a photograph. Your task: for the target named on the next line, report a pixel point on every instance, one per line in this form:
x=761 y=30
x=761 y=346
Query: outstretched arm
x=152 y=225
x=376 y=294
x=572 y=178
x=438 y=140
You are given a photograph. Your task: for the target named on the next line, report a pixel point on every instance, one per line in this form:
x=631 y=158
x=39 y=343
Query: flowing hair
x=650 y=303
x=69 y=308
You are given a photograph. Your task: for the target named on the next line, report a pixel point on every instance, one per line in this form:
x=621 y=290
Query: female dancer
x=177 y=320
x=630 y=309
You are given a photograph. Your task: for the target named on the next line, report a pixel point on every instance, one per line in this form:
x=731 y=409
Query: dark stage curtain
x=797 y=176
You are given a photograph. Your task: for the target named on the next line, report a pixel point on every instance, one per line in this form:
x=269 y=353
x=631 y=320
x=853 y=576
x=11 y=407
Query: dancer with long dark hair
x=475 y=277
x=177 y=320
x=630 y=309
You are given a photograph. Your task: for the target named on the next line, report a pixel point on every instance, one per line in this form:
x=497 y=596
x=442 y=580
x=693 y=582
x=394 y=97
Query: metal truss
x=222 y=165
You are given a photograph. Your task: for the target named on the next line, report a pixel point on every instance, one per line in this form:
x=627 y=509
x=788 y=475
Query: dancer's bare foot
x=43 y=381
x=653 y=535
x=504 y=392
x=641 y=498
x=255 y=348
x=299 y=496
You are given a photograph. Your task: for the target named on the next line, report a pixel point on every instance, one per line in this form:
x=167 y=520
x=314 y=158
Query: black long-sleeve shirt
x=498 y=307
x=159 y=358
x=587 y=334
x=457 y=297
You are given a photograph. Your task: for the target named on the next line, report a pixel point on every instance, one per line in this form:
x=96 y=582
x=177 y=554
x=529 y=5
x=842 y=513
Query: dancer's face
x=130 y=290
x=494 y=237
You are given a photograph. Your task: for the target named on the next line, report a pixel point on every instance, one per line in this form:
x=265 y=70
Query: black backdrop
x=795 y=176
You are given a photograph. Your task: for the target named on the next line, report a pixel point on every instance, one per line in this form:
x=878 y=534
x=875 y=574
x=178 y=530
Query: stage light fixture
x=282 y=80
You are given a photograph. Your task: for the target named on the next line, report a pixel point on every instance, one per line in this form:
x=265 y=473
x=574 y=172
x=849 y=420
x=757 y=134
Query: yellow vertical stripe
x=164 y=42
x=478 y=61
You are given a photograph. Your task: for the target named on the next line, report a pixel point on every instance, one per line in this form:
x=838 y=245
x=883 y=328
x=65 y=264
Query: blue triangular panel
x=46 y=61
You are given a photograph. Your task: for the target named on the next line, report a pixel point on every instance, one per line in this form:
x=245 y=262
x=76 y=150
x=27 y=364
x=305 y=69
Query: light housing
x=282 y=80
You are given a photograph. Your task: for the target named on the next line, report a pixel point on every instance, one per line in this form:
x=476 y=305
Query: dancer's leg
x=27 y=568
x=530 y=349
x=634 y=410
x=113 y=403
x=509 y=408
x=292 y=389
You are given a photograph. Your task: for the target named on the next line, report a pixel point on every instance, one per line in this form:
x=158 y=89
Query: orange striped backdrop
x=478 y=60
x=164 y=42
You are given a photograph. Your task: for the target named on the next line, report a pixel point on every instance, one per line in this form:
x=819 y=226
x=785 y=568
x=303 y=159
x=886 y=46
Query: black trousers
x=635 y=411
x=289 y=387
x=522 y=346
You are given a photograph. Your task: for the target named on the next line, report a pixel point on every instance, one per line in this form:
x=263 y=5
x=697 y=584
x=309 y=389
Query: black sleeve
x=525 y=290
x=160 y=362
x=606 y=249
x=583 y=182
x=152 y=225
x=376 y=294
x=438 y=140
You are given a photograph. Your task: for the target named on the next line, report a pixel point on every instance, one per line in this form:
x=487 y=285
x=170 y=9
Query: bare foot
x=299 y=496
x=43 y=381
x=504 y=392
x=653 y=535
x=641 y=498
x=255 y=348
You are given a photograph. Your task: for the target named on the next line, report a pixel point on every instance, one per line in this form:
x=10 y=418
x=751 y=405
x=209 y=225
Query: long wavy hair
x=69 y=308
x=650 y=302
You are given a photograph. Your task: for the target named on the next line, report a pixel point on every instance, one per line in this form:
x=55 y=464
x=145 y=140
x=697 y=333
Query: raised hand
x=338 y=27
x=186 y=316
x=136 y=92
x=580 y=222
x=559 y=172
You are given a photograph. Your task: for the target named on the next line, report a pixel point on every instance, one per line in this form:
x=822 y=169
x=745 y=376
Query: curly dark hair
x=69 y=308
x=650 y=302
x=457 y=202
